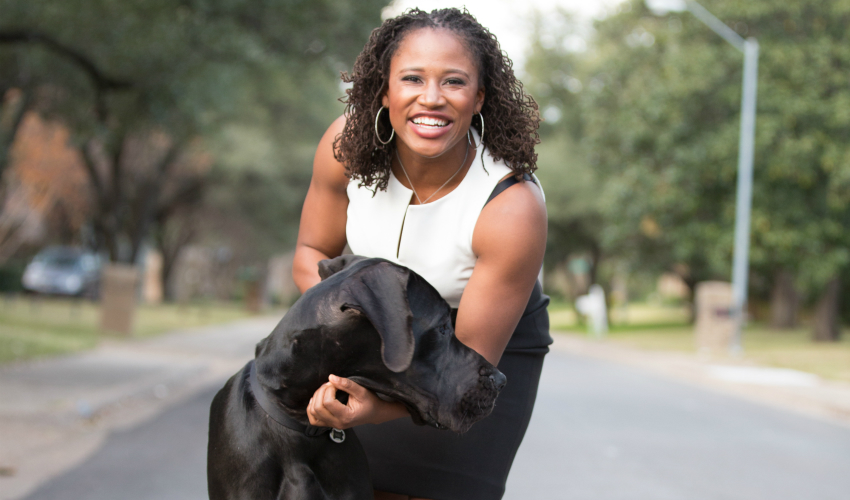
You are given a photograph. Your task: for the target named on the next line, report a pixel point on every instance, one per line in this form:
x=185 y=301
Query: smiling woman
x=507 y=113
x=409 y=175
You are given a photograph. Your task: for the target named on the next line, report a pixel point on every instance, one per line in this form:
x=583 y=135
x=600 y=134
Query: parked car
x=63 y=271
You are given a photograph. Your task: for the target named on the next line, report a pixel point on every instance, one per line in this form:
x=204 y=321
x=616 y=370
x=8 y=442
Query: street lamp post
x=746 y=150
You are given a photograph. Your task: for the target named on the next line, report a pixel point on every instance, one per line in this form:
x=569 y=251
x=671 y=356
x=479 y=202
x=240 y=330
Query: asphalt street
x=600 y=431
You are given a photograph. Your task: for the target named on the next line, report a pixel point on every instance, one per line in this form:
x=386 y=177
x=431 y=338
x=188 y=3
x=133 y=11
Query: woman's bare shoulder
x=513 y=223
x=327 y=170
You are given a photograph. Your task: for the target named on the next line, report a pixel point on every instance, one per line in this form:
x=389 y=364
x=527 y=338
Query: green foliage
x=258 y=80
x=571 y=185
x=11 y=274
x=659 y=121
x=184 y=64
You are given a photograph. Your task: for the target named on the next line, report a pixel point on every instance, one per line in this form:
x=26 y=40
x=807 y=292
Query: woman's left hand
x=363 y=407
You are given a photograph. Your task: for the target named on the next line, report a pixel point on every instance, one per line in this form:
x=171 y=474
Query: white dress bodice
x=435 y=239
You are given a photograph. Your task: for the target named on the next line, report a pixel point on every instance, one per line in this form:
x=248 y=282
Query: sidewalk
x=56 y=412
x=782 y=388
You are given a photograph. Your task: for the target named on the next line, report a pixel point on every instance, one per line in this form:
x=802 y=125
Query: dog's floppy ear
x=329 y=267
x=379 y=292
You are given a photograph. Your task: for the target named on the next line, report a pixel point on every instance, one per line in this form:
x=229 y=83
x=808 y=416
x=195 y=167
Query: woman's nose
x=432 y=95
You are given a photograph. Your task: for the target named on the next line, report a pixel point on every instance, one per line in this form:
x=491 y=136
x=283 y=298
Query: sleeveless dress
x=435 y=240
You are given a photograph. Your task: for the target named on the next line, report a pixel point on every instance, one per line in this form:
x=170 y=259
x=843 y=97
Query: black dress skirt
x=425 y=462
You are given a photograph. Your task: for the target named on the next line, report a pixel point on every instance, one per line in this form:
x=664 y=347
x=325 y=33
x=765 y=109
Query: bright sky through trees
x=509 y=19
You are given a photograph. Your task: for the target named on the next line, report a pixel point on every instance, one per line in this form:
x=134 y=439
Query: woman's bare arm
x=509 y=240
x=321 y=234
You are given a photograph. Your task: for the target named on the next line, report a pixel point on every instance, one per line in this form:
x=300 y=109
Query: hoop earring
x=377 y=117
x=481 y=139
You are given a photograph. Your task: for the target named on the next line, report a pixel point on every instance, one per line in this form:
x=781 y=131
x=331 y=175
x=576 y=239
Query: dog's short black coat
x=372 y=321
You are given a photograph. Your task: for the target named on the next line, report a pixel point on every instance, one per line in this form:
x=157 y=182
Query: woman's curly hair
x=511 y=116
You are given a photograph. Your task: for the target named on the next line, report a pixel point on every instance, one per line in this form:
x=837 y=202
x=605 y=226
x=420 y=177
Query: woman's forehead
x=430 y=46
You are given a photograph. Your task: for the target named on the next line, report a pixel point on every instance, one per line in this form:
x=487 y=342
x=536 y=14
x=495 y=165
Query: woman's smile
x=431 y=125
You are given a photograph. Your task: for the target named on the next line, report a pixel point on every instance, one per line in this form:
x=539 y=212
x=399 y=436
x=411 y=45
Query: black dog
x=372 y=321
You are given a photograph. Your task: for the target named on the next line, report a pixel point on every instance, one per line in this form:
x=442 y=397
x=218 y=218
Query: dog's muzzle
x=476 y=403
x=492 y=378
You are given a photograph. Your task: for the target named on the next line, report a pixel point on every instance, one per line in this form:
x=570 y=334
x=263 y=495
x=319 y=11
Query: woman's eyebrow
x=422 y=70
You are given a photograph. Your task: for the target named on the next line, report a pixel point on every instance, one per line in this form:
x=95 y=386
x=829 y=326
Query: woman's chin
x=429 y=152
x=431 y=148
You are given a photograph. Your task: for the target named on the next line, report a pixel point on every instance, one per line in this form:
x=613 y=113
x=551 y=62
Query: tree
x=143 y=80
x=661 y=118
x=47 y=187
x=555 y=67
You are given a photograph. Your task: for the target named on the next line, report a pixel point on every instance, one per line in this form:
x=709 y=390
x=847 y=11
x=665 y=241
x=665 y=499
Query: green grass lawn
x=32 y=327
x=660 y=328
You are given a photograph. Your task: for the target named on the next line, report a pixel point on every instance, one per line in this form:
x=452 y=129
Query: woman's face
x=432 y=91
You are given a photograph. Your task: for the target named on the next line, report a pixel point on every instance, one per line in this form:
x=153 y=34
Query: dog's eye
x=444 y=330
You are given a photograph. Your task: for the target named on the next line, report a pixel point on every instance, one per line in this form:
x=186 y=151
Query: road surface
x=600 y=431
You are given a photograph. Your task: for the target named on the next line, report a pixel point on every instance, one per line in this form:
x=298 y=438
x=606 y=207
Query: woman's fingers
x=317 y=413
x=324 y=410
x=352 y=388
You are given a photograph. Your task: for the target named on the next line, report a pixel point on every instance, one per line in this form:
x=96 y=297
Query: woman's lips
x=428 y=131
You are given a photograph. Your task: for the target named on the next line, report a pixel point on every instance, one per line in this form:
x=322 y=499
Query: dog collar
x=279 y=416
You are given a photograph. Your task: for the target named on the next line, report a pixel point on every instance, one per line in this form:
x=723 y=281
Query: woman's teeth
x=430 y=122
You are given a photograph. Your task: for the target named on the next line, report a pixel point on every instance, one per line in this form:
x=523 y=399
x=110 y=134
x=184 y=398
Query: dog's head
x=386 y=328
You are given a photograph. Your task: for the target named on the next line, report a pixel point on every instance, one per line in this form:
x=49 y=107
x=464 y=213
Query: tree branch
x=188 y=193
x=102 y=83
x=96 y=181
x=100 y=80
x=147 y=199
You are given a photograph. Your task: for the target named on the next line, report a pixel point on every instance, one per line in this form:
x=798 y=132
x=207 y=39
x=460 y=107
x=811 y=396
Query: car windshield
x=58 y=259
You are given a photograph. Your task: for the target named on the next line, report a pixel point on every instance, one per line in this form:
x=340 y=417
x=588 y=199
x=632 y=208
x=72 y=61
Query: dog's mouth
x=428 y=419
x=474 y=405
x=418 y=415
x=460 y=420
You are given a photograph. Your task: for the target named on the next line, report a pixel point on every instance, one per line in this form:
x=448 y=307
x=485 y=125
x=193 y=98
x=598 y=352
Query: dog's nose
x=498 y=380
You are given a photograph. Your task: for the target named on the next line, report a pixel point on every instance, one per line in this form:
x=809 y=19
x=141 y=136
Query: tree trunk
x=784 y=301
x=13 y=107
x=174 y=231
x=827 y=328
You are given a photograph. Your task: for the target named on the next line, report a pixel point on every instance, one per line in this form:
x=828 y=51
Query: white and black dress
x=435 y=240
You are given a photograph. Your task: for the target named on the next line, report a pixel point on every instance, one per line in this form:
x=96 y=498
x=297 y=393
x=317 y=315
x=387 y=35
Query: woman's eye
x=455 y=81
x=410 y=78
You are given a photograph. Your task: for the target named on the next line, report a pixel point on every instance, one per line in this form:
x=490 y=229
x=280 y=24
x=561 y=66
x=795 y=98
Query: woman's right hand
x=363 y=407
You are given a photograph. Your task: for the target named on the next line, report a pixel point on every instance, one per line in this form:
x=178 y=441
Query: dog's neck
x=291 y=380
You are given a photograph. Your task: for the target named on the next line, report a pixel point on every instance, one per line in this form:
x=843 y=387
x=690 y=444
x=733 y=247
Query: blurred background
x=155 y=154
x=177 y=138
